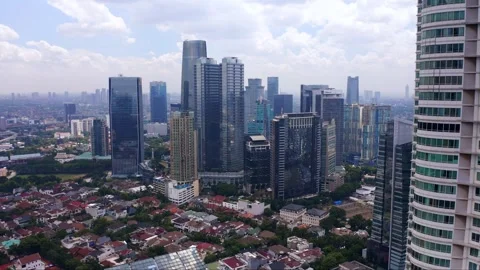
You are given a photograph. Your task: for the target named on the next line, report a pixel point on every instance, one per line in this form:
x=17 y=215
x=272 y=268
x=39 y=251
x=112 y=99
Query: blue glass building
x=158 y=102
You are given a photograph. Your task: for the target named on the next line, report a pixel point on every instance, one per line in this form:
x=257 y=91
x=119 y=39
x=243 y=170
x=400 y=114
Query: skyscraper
x=253 y=92
x=353 y=90
x=368 y=97
x=328 y=148
x=70 y=109
x=99 y=138
x=282 y=103
x=192 y=50
x=126 y=125
x=158 y=102
x=103 y=96
x=376 y=99
x=295 y=155
x=328 y=103
x=445 y=203
x=260 y=125
x=363 y=126
x=208 y=87
x=387 y=246
x=257 y=163
x=272 y=87
x=220 y=103
x=183 y=147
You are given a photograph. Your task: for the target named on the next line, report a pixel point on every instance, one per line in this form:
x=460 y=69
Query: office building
x=407 y=92
x=376 y=99
x=445 y=203
x=126 y=125
x=282 y=103
x=368 y=97
x=3 y=123
x=387 y=245
x=260 y=125
x=70 y=109
x=76 y=128
x=328 y=103
x=183 y=147
x=257 y=163
x=253 y=92
x=156 y=129
x=158 y=102
x=175 y=107
x=328 y=157
x=295 y=155
x=104 y=96
x=363 y=126
x=272 y=88
x=192 y=50
x=99 y=138
x=353 y=90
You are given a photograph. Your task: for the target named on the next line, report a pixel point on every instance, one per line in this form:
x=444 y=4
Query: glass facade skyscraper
x=192 y=50
x=272 y=87
x=295 y=155
x=126 y=125
x=158 y=102
x=262 y=119
x=353 y=90
x=70 y=109
x=328 y=103
x=99 y=138
x=282 y=103
x=257 y=163
x=253 y=92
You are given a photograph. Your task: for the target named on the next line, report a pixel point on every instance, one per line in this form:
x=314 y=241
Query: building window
x=472 y=266
x=474 y=252
x=441 y=143
x=444 y=32
x=432 y=232
x=433 y=217
x=476 y=222
x=431 y=260
x=431 y=3
x=438 y=127
x=443 y=48
x=446 y=174
x=435 y=187
x=439 y=158
x=431 y=246
x=444 y=96
x=441 y=80
x=434 y=202
x=440 y=64
x=476 y=207
x=476 y=237
x=444 y=16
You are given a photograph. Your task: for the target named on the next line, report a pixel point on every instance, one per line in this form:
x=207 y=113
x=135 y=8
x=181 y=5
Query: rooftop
x=316 y=212
x=293 y=207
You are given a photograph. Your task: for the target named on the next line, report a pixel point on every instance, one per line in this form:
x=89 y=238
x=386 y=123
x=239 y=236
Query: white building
x=292 y=212
x=157 y=129
x=177 y=192
x=95 y=210
x=255 y=208
x=313 y=217
x=78 y=127
x=30 y=262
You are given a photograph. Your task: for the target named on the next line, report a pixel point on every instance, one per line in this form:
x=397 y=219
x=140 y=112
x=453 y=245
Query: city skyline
x=120 y=40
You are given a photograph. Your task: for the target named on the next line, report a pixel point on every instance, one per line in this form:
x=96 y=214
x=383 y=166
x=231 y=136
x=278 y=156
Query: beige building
x=183 y=147
x=292 y=213
x=313 y=217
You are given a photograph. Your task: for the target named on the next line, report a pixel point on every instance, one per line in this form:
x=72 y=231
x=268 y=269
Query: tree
x=225 y=189
x=337 y=213
x=99 y=226
x=268 y=212
x=353 y=174
x=156 y=251
x=357 y=222
x=210 y=258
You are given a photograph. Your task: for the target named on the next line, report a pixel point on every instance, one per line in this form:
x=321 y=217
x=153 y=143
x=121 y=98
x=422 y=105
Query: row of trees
x=48 y=165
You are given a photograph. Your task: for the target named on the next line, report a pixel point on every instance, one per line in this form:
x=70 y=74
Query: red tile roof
x=30 y=258
x=233 y=262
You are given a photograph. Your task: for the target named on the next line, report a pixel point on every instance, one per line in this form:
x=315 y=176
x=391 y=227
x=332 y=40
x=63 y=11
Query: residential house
x=297 y=243
x=30 y=262
x=232 y=263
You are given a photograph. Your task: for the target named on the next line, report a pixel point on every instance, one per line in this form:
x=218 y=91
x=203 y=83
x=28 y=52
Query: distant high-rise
x=183 y=147
x=392 y=182
x=376 y=99
x=99 y=138
x=3 y=123
x=103 y=96
x=272 y=89
x=253 y=92
x=126 y=125
x=98 y=97
x=407 y=92
x=368 y=97
x=328 y=103
x=257 y=163
x=175 y=107
x=158 y=102
x=260 y=125
x=363 y=126
x=70 y=109
x=353 y=90
x=295 y=155
x=192 y=50
x=282 y=103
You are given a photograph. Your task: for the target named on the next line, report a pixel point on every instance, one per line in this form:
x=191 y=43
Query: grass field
x=64 y=177
x=212 y=266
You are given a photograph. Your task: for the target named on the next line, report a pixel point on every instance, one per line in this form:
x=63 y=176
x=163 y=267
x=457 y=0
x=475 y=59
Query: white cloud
x=131 y=40
x=7 y=33
x=91 y=18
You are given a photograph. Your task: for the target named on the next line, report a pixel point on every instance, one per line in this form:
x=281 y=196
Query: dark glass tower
x=99 y=138
x=192 y=50
x=257 y=163
x=254 y=91
x=329 y=105
x=70 y=109
x=272 y=89
x=282 y=104
x=126 y=125
x=158 y=102
x=295 y=155
x=353 y=90
x=387 y=245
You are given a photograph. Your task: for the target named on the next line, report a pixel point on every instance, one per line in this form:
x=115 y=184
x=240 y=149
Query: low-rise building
x=297 y=243
x=177 y=192
x=255 y=208
x=313 y=217
x=95 y=210
x=30 y=262
x=292 y=212
x=232 y=263
x=353 y=265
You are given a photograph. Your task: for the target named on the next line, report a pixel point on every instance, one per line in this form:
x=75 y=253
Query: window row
x=442 y=143
x=476 y=222
x=442 y=112
x=447 y=96
x=431 y=3
x=454 y=128
x=433 y=217
x=432 y=232
x=436 y=172
x=439 y=158
x=476 y=237
x=434 y=202
x=431 y=246
x=444 y=16
x=444 y=32
x=440 y=64
x=443 y=48
x=474 y=252
x=435 y=187
x=441 y=80
x=431 y=260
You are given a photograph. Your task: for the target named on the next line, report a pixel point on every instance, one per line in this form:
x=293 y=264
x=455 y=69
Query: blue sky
x=57 y=45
